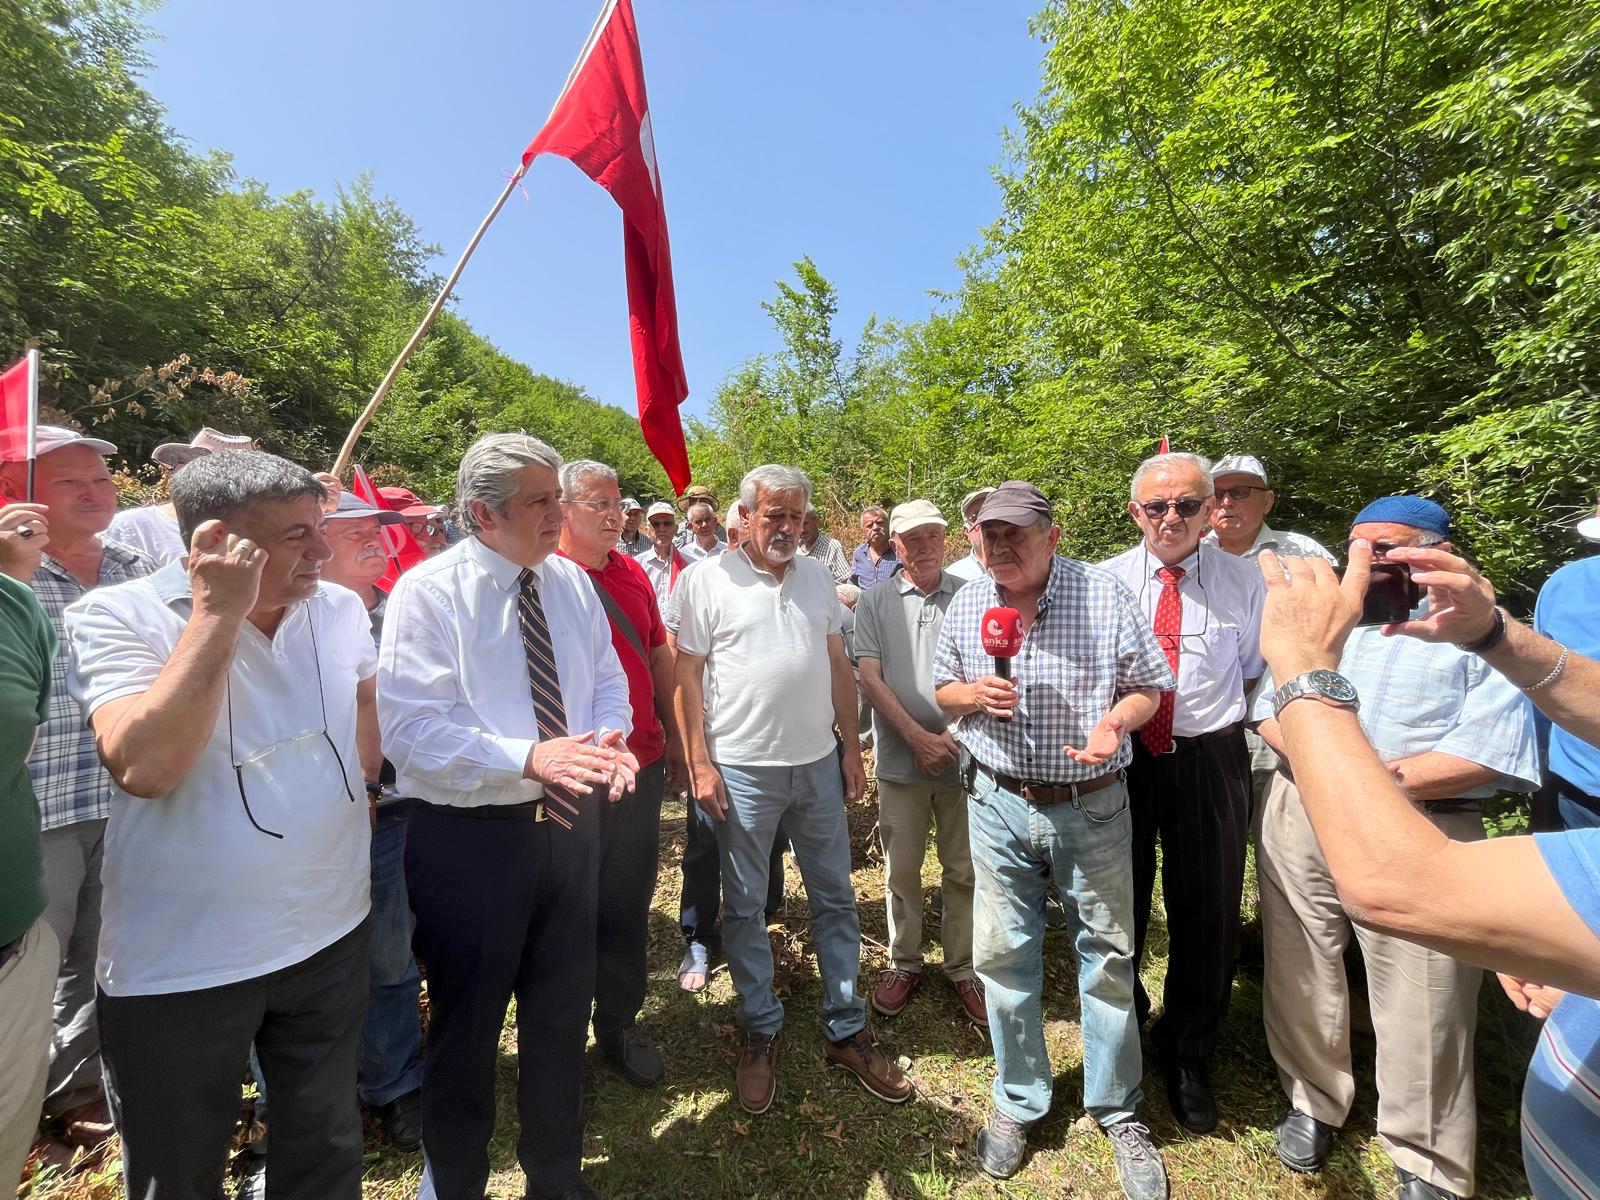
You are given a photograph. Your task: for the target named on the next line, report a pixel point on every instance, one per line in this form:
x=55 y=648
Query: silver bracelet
x=1555 y=673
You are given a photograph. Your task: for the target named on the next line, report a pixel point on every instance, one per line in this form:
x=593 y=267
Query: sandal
x=695 y=962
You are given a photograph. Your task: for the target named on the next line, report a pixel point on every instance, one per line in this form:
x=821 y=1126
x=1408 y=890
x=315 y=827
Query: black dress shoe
x=1304 y=1142
x=1189 y=1095
x=1412 y=1188
x=635 y=1058
x=401 y=1121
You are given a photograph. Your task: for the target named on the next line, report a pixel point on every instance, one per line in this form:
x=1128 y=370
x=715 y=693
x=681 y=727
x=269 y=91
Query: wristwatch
x=1328 y=686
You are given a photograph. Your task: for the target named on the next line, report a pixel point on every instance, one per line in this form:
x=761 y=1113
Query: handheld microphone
x=1002 y=637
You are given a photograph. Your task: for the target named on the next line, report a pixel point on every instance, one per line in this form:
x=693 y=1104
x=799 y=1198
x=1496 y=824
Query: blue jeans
x=1018 y=850
x=809 y=800
x=390 y=1064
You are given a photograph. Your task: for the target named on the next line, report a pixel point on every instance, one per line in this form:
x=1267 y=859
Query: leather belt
x=1213 y=735
x=532 y=810
x=1041 y=794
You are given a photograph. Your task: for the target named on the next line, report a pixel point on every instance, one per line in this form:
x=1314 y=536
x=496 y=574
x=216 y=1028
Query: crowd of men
x=258 y=779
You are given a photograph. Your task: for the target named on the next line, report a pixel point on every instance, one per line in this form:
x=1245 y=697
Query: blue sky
x=863 y=134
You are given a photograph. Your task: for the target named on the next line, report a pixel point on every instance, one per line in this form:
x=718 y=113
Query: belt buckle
x=538 y=811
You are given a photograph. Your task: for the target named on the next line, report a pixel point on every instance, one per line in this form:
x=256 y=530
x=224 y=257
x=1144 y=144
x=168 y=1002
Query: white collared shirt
x=1284 y=543
x=693 y=551
x=966 y=569
x=1220 y=646
x=453 y=695
x=194 y=896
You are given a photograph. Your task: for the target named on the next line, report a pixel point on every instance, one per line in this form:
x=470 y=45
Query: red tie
x=1156 y=733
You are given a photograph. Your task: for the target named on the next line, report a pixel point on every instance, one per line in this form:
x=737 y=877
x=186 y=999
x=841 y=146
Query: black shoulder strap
x=620 y=619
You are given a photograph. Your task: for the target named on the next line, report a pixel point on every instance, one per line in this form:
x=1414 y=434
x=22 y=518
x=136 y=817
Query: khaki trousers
x=904 y=813
x=26 y=983
x=1424 y=1004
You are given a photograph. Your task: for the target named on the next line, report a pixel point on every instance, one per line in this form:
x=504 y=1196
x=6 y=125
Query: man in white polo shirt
x=762 y=679
x=234 y=704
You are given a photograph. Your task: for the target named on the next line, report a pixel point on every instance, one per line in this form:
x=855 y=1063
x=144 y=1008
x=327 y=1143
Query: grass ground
x=826 y=1138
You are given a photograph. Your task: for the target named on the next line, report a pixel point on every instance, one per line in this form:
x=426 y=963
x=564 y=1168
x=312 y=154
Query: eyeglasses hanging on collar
x=283 y=769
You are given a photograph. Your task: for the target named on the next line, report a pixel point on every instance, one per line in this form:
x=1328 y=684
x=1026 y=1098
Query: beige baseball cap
x=914 y=514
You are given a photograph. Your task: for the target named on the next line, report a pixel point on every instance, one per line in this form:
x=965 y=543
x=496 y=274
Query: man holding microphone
x=1042 y=764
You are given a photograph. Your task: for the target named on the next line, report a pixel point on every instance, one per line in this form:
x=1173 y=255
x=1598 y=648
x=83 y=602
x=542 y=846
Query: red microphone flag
x=602 y=124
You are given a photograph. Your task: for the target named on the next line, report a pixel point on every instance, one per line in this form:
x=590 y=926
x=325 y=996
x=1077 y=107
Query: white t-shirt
x=149 y=529
x=194 y=896
x=768 y=681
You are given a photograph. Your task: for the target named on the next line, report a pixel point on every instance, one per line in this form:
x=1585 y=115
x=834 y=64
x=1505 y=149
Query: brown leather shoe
x=970 y=992
x=756 y=1077
x=894 y=989
x=859 y=1054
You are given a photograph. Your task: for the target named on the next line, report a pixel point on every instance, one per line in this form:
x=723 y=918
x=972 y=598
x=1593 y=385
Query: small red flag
x=404 y=552
x=19 y=408
x=1165 y=447
x=602 y=124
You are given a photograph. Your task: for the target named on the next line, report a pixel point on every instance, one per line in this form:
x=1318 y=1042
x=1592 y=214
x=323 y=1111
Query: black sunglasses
x=1240 y=491
x=1156 y=509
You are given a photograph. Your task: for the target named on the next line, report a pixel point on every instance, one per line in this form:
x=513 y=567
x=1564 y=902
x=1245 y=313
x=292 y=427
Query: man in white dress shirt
x=232 y=698
x=705 y=537
x=1189 y=782
x=505 y=709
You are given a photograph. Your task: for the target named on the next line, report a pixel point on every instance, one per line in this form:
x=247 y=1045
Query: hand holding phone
x=1390 y=596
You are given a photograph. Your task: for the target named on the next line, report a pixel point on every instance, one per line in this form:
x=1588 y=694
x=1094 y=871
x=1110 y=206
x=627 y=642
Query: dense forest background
x=1361 y=240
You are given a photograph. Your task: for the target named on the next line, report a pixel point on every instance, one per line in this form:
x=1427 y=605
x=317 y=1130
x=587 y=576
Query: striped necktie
x=545 y=682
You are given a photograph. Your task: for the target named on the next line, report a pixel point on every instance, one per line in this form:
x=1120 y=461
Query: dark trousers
x=702 y=879
x=505 y=907
x=630 y=851
x=1196 y=802
x=173 y=1064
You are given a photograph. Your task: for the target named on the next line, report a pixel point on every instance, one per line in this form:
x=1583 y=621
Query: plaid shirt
x=71 y=784
x=1088 y=645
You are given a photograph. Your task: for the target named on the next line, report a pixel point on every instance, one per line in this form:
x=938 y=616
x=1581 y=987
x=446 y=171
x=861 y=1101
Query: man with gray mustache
x=389 y=1070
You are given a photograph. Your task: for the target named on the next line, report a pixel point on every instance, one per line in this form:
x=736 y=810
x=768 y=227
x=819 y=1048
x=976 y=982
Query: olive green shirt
x=30 y=648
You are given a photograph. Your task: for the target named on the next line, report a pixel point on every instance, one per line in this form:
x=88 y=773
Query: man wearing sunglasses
x=1239 y=520
x=1452 y=732
x=233 y=700
x=1189 y=781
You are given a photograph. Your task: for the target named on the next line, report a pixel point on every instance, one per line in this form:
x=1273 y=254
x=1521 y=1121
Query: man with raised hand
x=1190 y=775
x=630 y=829
x=897 y=629
x=1046 y=804
x=505 y=709
x=1453 y=733
x=74 y=792
x=233 y=701
x=762 y=679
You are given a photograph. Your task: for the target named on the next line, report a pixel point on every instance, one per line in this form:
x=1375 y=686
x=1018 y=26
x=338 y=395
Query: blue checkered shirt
x=1089 y=644
x=67 y=776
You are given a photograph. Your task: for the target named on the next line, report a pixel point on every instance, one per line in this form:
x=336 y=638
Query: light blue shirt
x=1569 y=611
x=1421 y=696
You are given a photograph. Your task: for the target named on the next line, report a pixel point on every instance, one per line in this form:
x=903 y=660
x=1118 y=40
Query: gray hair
x=733 y=521
x=574 y=473
x=1167 y=462
x=876 y=508
x=771 y=477
x=688 y=513
x=217 y=487
x=489 y=468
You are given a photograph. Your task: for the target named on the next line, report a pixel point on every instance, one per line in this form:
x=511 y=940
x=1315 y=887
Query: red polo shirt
x=635 y=595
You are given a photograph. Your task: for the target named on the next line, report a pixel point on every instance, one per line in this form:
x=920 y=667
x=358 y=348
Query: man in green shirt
x=27 y=946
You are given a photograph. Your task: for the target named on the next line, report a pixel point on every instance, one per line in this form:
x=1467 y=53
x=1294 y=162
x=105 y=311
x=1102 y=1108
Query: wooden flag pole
x=347 y=451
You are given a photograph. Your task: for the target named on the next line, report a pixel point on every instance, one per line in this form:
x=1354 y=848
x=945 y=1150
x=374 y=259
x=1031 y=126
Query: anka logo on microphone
x=1002 y=632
